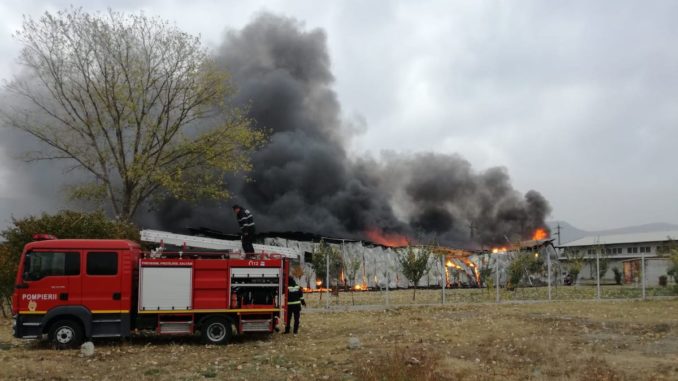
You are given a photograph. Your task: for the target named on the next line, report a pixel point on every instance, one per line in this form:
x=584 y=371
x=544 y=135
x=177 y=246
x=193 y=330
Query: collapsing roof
x=310 y=237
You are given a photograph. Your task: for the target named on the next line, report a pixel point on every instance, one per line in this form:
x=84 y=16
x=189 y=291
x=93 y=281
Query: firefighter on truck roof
x=295 y=299
x=247 y=231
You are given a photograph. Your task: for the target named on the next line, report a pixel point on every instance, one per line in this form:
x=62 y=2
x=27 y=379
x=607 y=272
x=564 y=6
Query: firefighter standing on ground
x=247 y=231
x=295 y=299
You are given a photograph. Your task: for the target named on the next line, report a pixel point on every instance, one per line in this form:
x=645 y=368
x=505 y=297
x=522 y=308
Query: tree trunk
x=5 y=301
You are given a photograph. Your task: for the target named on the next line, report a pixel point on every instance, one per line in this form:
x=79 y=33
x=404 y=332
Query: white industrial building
x=623 y=252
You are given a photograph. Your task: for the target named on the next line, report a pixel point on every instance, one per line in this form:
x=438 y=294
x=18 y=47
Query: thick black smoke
x=304 y=180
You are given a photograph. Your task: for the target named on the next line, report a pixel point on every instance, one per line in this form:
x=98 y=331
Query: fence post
x=642 y=266
x=442 y=276
x=496 y=270
x=548 y=268
x=327 y=280
x=388 y=275
x=598 y=273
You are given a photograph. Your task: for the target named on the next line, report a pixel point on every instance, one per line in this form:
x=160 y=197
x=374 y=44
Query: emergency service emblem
x=32 y=305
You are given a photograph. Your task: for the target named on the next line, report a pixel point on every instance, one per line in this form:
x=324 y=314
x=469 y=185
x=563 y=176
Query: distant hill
x=570 y=233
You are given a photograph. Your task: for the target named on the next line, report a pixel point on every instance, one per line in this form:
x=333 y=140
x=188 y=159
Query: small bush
x=617 y=275
x=400 y=365
x=152 y=372
x=209 y=373
x=523 y=263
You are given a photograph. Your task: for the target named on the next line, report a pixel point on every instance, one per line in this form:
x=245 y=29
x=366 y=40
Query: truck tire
x=65 y=334
x=216 y=330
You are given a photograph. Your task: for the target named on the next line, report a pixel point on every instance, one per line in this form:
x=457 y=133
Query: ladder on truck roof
x=157 y=236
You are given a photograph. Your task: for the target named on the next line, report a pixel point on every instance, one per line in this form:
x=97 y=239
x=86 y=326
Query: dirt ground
x=606 y=340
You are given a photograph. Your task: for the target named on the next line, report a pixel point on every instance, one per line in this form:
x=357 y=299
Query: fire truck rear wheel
x=216 y=330
x=64 y=334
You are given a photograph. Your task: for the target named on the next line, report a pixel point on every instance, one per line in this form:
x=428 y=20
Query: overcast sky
x=578 y=99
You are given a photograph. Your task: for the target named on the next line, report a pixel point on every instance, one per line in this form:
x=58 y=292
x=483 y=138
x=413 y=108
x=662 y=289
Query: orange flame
x=540 y=234
x=498 y=250
x=377 y=235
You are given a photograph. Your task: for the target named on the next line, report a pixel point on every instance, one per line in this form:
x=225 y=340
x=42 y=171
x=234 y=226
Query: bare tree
x=324 y=253
x=352 y=266
x=134 y=102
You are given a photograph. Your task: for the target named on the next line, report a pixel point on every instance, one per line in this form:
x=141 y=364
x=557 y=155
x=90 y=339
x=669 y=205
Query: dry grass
x=564 y=340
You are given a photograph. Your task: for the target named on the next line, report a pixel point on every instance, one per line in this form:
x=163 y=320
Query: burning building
x=378 y=265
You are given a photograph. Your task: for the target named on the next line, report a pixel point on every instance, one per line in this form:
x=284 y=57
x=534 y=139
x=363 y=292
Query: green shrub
x=523 y=263
x=65 y=224
x=617 y=275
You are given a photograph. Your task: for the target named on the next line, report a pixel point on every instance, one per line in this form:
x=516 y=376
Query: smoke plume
x=304 y=180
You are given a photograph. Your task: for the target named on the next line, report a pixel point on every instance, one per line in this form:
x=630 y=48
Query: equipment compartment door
x=165 y=288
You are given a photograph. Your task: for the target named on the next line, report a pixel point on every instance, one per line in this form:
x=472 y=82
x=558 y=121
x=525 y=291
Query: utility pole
x=558 y=232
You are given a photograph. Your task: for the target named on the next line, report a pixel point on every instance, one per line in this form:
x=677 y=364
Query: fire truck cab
x=77 y=289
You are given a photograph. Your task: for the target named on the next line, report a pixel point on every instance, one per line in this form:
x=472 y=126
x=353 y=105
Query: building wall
x=654 y=268
x=380 y=268
x=588 y=272
x=619 y=256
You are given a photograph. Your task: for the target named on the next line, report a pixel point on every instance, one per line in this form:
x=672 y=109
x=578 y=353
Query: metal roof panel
x=624 y=239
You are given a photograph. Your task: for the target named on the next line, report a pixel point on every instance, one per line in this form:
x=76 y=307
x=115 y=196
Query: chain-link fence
x=521 y=275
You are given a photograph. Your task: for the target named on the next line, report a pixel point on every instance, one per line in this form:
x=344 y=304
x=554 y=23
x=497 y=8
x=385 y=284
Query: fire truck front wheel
x=216 y=330
x=64 y=334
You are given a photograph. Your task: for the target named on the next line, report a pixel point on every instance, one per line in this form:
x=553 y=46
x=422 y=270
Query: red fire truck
x=77 y=289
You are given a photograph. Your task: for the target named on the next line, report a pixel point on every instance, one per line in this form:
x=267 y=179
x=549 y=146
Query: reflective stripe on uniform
x=295 y=295
x=246 y=220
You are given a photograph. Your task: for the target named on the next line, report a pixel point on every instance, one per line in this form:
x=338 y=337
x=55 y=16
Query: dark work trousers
x=246 y=239
x=293 y=309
